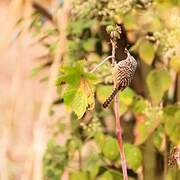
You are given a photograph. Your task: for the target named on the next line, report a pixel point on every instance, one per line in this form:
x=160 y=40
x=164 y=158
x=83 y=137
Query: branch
x=119 y=137
x=117 y=118
x=42 y=11
x=102 y=62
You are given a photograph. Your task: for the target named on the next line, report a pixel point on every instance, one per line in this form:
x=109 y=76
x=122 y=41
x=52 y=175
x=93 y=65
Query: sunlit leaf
x=78 y=175
x=147 y=52
x=175 y=63
x=103 y=92
x=88 y=91
x=158 y=82
x=111 y=174
x=110 y=148
x=139 y=105
x=172 y=120
x=89 y=44
x=106 y=176
x=77 y=27
x=130 y=22
x=69 y=95
x=100 y=139
x=172 y=174
x=79 y=103
x=147 y=123
x=79 y=94
x=133 y=156
x=159 y=139
x=93 y=170
x=126 y=96
x=116 y=174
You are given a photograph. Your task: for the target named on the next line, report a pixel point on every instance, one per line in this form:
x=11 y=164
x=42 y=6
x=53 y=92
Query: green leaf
x=106 y=176
x=175 y=63
x=158 y=82
x=92 y=78
x=147 y=123
x=130 y=22
x=79 y=103
x=73 y=144
x=110 y=148
x=100 y=139
x=147 y=52
x=93 y=170
x=159 y=139
x=69 y=96
x=103 y=92
x=79 y=94
x=72 y=75
x=78 y=175
x=80 y=98
x=173 y=174
x=125 y=99
x=139 y=105
x=126 y=96
x=77 y=27
x=171 y=117
x=55 y=160
x=133 y=156
x=116 y=174
x=89 y=44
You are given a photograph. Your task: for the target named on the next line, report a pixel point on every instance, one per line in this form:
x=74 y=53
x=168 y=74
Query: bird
x=122 y=74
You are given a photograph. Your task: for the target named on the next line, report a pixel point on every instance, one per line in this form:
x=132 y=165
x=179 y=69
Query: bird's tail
x=110 y=98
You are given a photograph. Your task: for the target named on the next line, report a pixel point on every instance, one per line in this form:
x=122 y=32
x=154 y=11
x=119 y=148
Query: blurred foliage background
x=78 y=142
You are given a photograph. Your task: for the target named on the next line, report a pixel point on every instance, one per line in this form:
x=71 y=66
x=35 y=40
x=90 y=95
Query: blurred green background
x=80 y=138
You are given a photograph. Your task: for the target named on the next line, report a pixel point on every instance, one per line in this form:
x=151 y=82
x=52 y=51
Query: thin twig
x=42 y=10
x=102 y=62
x=117 y=118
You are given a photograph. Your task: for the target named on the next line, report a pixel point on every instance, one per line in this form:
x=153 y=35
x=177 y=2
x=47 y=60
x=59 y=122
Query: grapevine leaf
x=79 y=103
x=79 y=94
x=69 y=95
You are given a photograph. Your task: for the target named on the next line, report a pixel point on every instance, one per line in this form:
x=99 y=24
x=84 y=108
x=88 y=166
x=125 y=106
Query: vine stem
x=117 y=122
x=101 y=63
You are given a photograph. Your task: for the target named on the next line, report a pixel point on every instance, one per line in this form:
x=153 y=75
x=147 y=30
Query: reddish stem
x=119 y=137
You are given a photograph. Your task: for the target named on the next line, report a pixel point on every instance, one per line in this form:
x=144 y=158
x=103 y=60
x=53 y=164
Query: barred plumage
x=122 y=73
